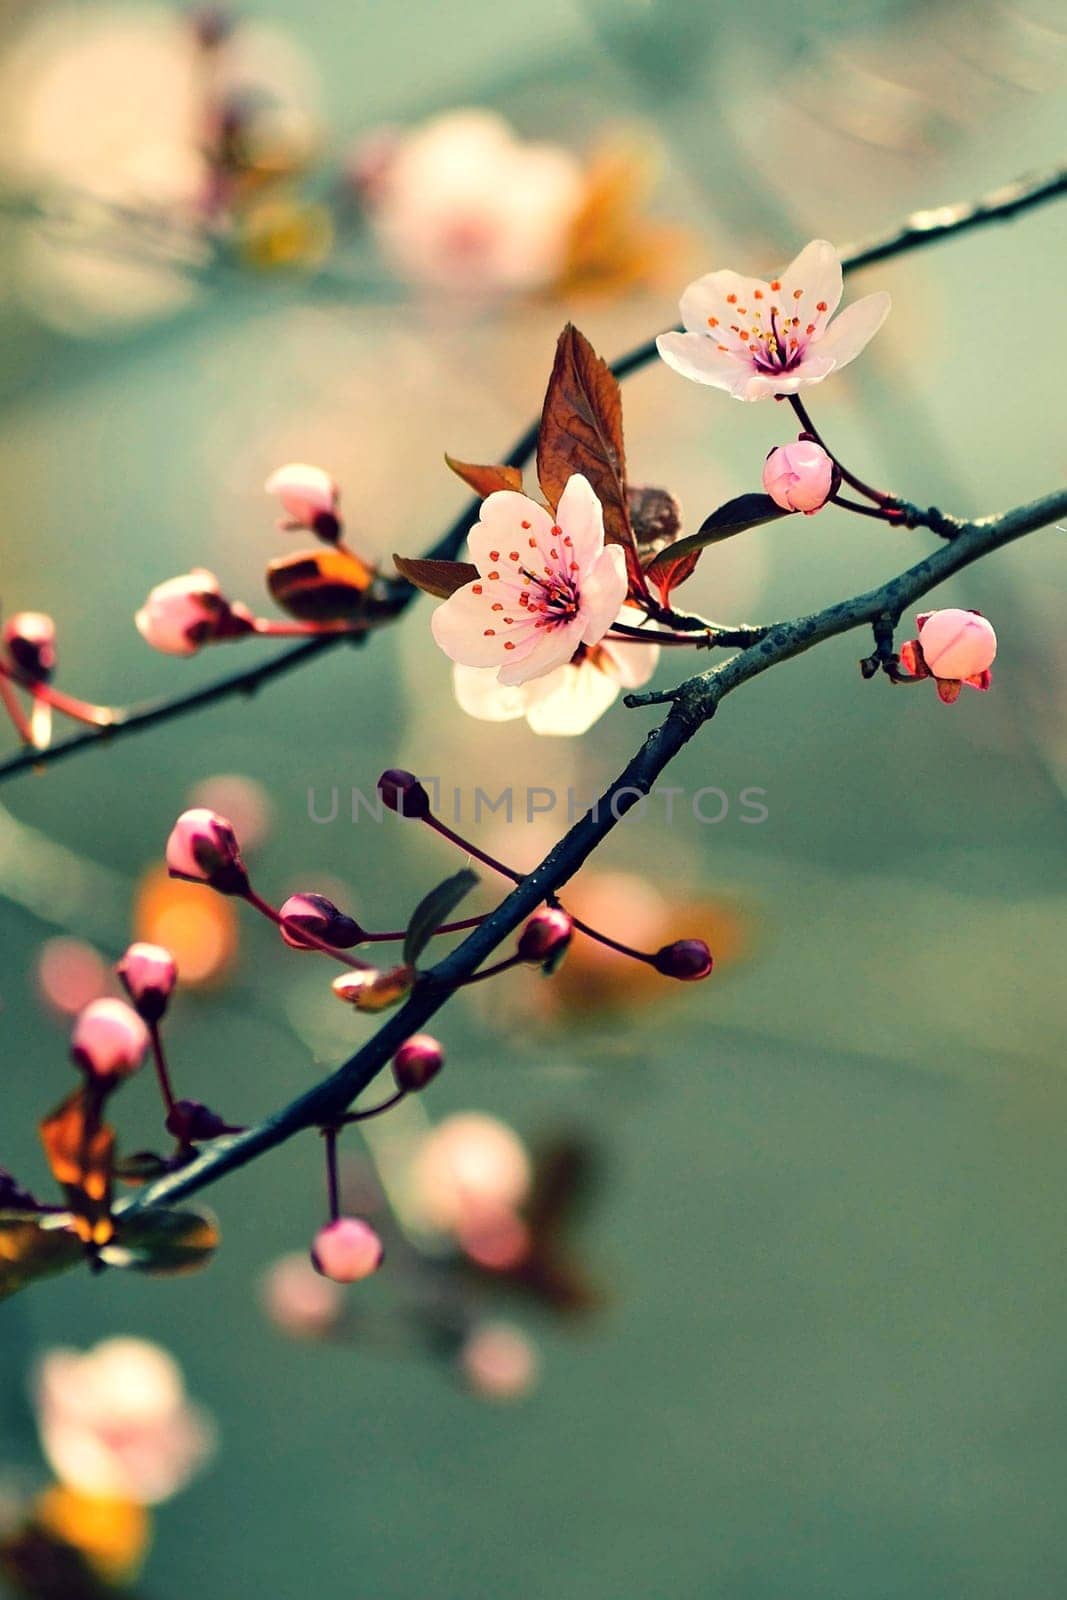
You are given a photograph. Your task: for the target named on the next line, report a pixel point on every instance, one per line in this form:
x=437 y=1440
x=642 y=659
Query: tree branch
x=920 y=229
x=692 y=704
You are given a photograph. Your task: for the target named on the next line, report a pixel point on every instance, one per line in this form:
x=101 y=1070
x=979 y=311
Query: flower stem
x=333 y=1186
x=14 y=710
x=375 y=1111
x=493 y=971
x=166 y=1088
x=270 y=627
x=70 y=706
x=881 y=513
x=877 y=495
x=471 y=849
x=612 y=944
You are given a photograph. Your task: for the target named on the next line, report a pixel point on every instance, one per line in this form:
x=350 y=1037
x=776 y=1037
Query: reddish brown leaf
x=439 y=578
x=323 y=585
x=486 y=480
x=80 y=1149
x=671 y=568
x=581 y=431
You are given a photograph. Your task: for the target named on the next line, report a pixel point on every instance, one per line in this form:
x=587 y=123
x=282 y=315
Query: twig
x=920 y=229
x=691 y=705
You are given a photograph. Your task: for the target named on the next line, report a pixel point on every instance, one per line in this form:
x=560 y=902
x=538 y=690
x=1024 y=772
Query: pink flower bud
x=30 y=638
x=957 y=644
x=687 y=959
x=498 y=1361
x=418 y=1060
x=310 y=496
x=203 y=848
x=148 y=974
x=799 y=476
x=321 y=918
x=402 y=792
x=185 y=613
x=299 y=1300
x=545 y=937
x=346 y=1250
x=109 y=1039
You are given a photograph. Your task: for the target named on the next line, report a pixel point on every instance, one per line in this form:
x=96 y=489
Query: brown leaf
x=670 y=568
x=581 y=431
x=29 y=1250
x=323 y=585
x=486 y=480
x=439 y=578
x=80 y=1150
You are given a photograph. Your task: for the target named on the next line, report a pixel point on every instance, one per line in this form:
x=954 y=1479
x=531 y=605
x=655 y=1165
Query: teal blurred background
x=832 y=1216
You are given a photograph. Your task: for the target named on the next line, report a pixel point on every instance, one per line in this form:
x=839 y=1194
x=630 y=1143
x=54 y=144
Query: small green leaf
x=434 y=909
x=736 y=516
x=163 y=1241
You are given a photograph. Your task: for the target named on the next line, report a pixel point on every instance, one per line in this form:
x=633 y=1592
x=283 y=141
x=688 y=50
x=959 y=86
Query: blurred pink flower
x=498 y=1361
x=187 y=612
x=469 y=1172
x=299 y=1300
x=462 y=204
x=109 y=1039
x=755 y=339
x=544 y=587
x=115 y=1421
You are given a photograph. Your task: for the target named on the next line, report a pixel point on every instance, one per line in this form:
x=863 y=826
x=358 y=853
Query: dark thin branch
x=920 y=229
x=691 y=705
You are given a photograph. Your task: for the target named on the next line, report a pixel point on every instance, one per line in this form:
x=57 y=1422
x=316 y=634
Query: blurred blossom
x=299 y=1300
x=565 y=702
x=70 y=974
x=463 y=204
x=200 y=930
x=244 y=800
x=498 y=1361
x=115 y=1422
x=469 y=1172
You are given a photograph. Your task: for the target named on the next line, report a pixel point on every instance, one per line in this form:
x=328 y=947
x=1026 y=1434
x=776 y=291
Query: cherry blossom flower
x=469 y=1172
x=754 y=338
x=954 y=648
x=566 y=701
x=309 y=497
x=462 y=204
x=298 y=1299
x=544 y=587
x=115 y=1421
x=498 y=1361
x=187 y=612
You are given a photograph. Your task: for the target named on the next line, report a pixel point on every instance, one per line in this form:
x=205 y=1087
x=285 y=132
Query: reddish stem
x=492 y=972
x=14 y=710
x=166 y=1088
x=375 y=1111
x=877 y=495
x=270 y=627
x=471 y=849
x=69 y=705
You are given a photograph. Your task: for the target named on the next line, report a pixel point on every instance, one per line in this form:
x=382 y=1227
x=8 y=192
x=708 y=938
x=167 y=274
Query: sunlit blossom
x=543 y=589
x=566 y=701
x=755 y=338
x=463 y=204
x=115 y=1421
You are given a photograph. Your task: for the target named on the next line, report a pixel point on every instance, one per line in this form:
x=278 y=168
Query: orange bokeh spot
x=197 y=926
x=111 y=1534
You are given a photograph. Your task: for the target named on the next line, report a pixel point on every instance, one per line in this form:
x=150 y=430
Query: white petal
x=816 y=272
x=460 y=624
x=603 y=592
x=629 y=664
x=500 y=527
x=707 y=298
x=854 y=328
x=581 y=517
x=481 y=695
x=696 y=356
x=583 y=695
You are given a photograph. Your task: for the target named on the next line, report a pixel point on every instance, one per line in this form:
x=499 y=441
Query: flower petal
x=697 y=356
x=719 y=298
x=467 y=630
x=854 y=328
x=552 y=647
x=481 y=695
x=816 y=272
x=630 y=665
x=581 y=517
x=507 y=521
x=603 y=592
x=583 y=694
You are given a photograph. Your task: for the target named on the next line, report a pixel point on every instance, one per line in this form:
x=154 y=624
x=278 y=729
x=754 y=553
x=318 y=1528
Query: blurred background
x=809 y=1341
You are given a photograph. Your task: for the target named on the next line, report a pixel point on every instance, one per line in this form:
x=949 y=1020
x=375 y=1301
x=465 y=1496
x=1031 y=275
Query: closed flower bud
x=799 y=476
x=957 y=644
x=419 y=1059
x=346 y=1250
x=203 y=848
x=185 y=613
x=109 y=1039
x=30 y=640
x=687 y=959
x=545 y=937
x=372 y=989
x=321 y=918
x=310 y=497
x=148 y=974
x=402 y=792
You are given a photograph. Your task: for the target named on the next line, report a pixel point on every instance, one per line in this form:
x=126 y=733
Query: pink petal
x=630 y=665
x=480 y=694
x=696 y=356
x=603 y=590
x=507 y=521
x=581 y=517
x=460 y=627
x=854 y=328
x=551 y=648
x=707 y=298
x=816 y=272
